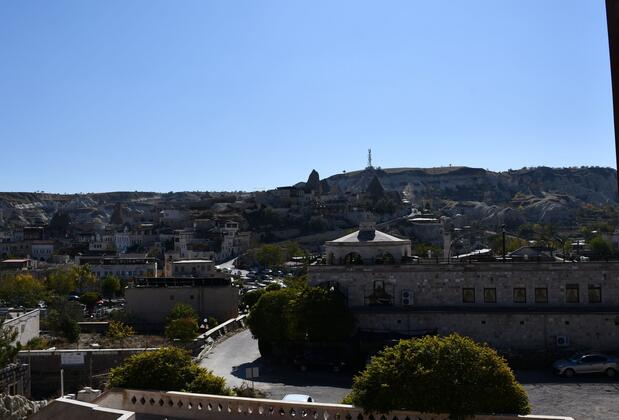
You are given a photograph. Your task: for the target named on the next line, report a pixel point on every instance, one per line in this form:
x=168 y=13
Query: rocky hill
x=563 y=196
x=538 y=195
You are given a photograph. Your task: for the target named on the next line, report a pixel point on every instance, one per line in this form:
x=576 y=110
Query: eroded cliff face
x=536 y=195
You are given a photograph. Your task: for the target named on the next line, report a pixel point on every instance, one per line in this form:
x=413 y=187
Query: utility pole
x=369 y=159
x=503 y=231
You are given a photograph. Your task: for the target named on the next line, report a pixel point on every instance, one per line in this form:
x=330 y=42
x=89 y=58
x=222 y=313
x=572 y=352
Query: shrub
x=70 y=328
x=117 y=329
x=168 y=368
x=181 y=310
x=37 y=343
x=451 y=375
x=212 y=322
x=183 y=329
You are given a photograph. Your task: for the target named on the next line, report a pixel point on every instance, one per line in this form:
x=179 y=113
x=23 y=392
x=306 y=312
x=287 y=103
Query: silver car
x=587 y=363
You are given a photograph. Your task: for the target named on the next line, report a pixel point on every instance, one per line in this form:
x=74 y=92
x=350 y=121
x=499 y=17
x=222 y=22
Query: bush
x=205 y=382
x=451 y=375
x=212 y=322
x=37 y=343
x=70 y=328
x=183 y=329
x=116 y=329
x=181 y=310
x=248 y=392
x=168 y=368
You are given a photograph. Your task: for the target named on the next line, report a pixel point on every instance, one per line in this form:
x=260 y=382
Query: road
x=230 y=266
x=583 y=398
x=232 y=356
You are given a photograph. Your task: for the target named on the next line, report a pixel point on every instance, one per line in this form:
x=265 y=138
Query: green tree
x=62 y=317
x=270 y=256
x=601 y=247
x=318 y=315
x=183 y=329
x=61 y=282
x=167 y=368
x=84 y=278
x=22 y=290
x=181 y=310
x=451 y=375
x=90 y=299
x=268 y=320
x=110 y=286
x=70 y=328
x=250 y=298
x=8 y=350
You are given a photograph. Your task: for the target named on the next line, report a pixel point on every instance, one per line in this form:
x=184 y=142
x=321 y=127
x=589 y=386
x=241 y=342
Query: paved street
x=590 y=398
x=232 y=356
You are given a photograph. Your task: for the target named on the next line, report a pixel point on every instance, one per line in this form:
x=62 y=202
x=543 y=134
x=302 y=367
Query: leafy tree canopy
x=601 y=246
x=300 y=315
x=22 y=290
x=182 y=310
x=61 y=282
x=168 y=368
x=451 y=374
x=183 y=329
x=110 y=285
x=268 y=318
x=270 y=255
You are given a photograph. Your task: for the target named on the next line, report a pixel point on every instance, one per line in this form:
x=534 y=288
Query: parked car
x=587 y=363
x=297 y=398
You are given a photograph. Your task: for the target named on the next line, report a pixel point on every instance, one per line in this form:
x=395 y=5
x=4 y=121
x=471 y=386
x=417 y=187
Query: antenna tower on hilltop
x=369 y=159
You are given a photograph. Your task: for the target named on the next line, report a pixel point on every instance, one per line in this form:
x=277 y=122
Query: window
x=595 y=294
x=572 y=293
x=520 y=295
x=489 y=295
x=468 y=295
x=541 y=295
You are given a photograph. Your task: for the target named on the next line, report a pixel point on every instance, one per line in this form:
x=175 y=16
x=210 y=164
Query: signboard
x=252 y=372
x=74 y=358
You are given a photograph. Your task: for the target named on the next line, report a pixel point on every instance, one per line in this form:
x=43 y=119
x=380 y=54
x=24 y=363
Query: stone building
x=367 y=246
x=151 y=299
x=550 y=306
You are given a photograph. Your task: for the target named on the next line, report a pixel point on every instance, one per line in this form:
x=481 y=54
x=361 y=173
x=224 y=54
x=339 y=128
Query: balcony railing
x=181 y=405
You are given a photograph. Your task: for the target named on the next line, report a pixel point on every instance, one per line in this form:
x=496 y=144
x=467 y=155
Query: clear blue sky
x=244 y=95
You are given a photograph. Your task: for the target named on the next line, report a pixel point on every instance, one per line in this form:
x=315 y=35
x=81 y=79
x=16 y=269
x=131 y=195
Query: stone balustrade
x=182 y=405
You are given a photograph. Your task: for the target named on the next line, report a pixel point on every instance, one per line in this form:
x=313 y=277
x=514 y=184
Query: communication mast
x=369 y=160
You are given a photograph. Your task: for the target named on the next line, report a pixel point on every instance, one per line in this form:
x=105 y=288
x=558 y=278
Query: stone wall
x=152 y=304
x=552 y=332
x=442 y=284
x=506 y=318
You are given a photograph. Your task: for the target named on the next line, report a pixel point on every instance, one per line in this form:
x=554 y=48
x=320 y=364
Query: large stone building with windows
x=518 y=306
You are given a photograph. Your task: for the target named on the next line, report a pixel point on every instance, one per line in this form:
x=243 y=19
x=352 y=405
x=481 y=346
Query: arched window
x=353 y=258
